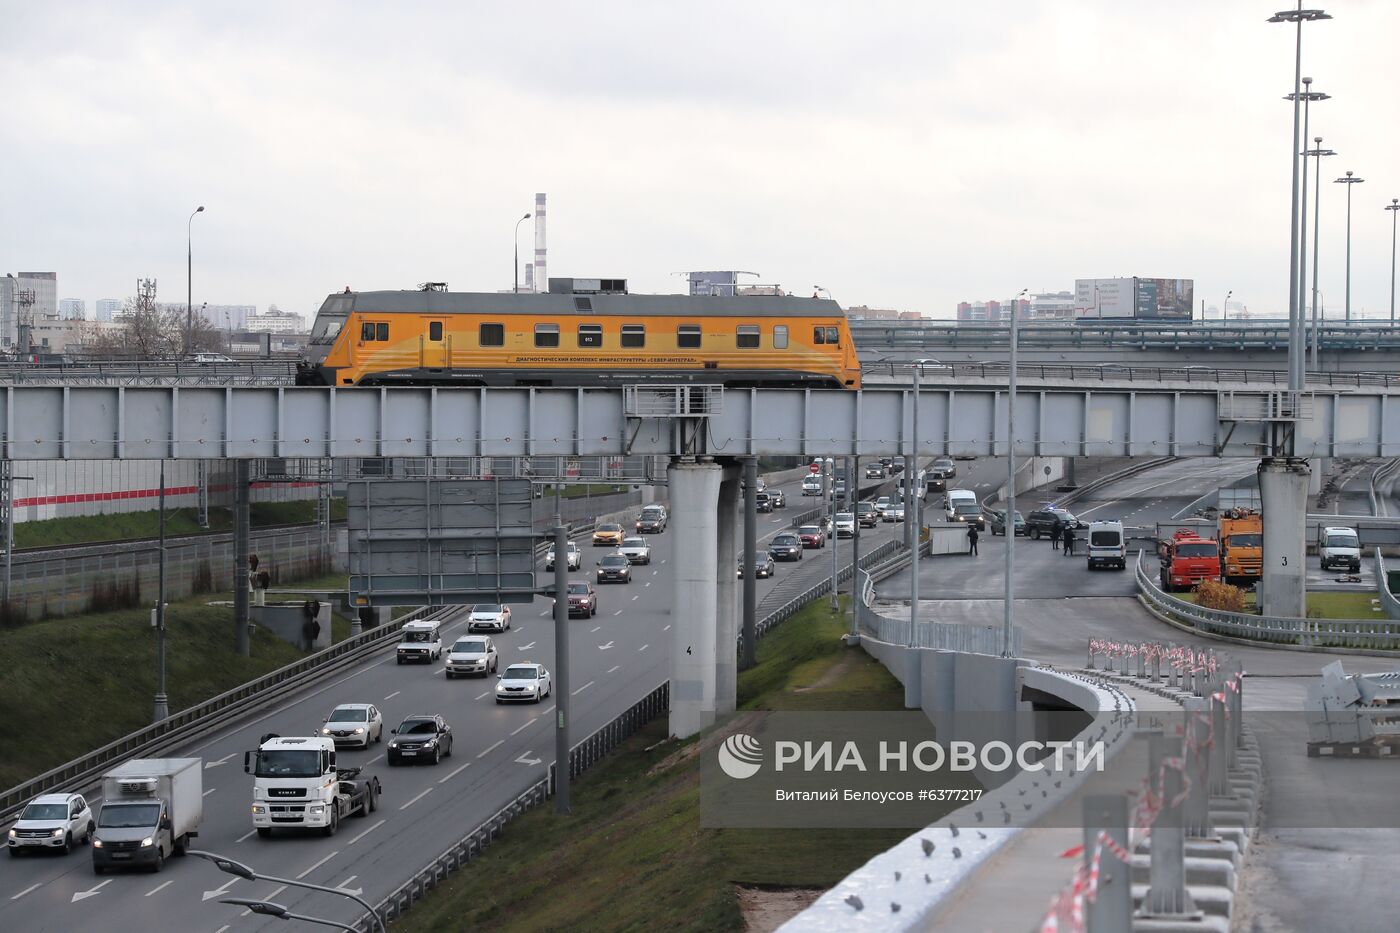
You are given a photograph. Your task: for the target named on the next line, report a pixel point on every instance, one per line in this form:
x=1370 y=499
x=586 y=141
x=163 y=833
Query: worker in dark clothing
x=1056 y=530
x=972 y=540
x=1069 y=540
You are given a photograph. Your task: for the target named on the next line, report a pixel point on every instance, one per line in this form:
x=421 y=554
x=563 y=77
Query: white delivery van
x=1339 y=547
x=1107 y=546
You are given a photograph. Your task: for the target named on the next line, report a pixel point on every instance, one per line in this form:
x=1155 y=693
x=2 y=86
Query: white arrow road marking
x=648 y=583
x=618 y=612
x=160 y=887
x=456 y=771
x=482 y=696
x=525 y=759
x=215 y=764
x=544 y=614
x=209 y=791
x=15 y=897
x=527 y=647
x=581 y=689
x=644 y=647
x=366 y=833
x=414 y=800
x=246 y=836
x=327 y=858
x=596 y=628
x=614 y=669
x=522 y=728
x=394 y=694
x=492 y=748
x=605 y=647
x=221 y=889
x=275 y=891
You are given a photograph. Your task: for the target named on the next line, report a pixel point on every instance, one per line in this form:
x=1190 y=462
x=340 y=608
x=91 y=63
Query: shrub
x=1216 y=595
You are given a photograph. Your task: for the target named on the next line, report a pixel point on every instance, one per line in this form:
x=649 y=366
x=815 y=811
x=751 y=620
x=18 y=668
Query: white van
x=420 y=641
x=1339 y=547
x=956 y=497
x=1107 y=546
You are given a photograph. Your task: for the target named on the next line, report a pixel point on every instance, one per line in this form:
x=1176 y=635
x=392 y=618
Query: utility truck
x=151 y=807
x=1241 y=545
x=297 y=785
x=1188 y=560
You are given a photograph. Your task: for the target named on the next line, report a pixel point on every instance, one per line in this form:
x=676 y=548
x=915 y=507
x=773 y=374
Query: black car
x=786 y=546
x=866 y=514
x=614 y=568
x=896 y=465
x=778 y=498
x=762 y=565
x=875 y=471
x=420 y=738
x=762 y=502
x=943 y=468
x=1040 y=522
x=652 y=521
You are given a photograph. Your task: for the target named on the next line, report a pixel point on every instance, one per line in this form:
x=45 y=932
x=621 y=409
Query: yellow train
x=569 y=339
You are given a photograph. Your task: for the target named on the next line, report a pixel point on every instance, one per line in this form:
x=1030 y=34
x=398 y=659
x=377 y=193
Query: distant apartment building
x=36 y=290
x=274 y=321
x=219 y=317
x=72 y=309
x=866 y=313
x=1046 y=306
x=107 y=309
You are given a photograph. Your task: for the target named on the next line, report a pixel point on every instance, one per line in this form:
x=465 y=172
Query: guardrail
x=151 y=372
x=1378 y=506
x=1389 y=603
x=1371 y=634
x=1117 y=372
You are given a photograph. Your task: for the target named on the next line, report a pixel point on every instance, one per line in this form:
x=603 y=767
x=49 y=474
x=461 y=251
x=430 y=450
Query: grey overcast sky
x=901 y=155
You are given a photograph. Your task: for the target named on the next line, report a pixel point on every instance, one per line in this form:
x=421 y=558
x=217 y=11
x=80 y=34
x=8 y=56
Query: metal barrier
x=1310 y=633
x=1389 y=603
x=941 y=636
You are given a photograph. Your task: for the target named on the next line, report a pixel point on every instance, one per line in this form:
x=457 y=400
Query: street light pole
x=835 y=563
x=1394 y=208
x=1009 y=524
x=162 y=706
x=1225 y=308
x=913 y=692
x=229 y=866
x=189 y=280
x=1296 y=326
x=1317 y=152
x=271 y=909
x=1349 y=180
x=515 y=289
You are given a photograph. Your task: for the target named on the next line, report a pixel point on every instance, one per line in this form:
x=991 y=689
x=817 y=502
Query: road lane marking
x=492 y=748
x=618 y=612
x=413 y=800
x=666 y=629
x=375 y=758
x=16 y=897
x=208 y=792
x=456 y=771
x=644 y=647
x=394 y=694
x=346 y=882
x=648 y=583
x=637 y=597
x=332 y=855
x=520 y=729
x=366 y=832
x=614 y=669
x=215 y=764
x=480 y=696
x=544 y=614
x=596 y=628
x=581 y=689
x=160 y=887
x=246 y=836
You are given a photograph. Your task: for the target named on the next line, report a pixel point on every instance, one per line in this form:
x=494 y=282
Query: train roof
x=435 y=302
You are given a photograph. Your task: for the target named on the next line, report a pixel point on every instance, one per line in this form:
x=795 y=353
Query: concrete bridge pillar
x=1283 y=494
x=694 y=487
x=727 y=595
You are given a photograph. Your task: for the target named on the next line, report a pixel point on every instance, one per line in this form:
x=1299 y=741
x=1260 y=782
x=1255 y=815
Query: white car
x=812 y=486
x=881 y=505
x=489 y=617
x=52 y=821
x=575 y=557
x=523 y=682
x=845 y=525
x=636 y=550
x=894 y=512
x=354 y=724
x=474 y=654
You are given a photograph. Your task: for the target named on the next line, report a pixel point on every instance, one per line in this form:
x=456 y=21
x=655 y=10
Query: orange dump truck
x=1188 y=560
x=1241 y=545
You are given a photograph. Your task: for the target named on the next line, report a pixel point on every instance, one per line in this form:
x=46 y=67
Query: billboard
x=1140 y=298
x=1103 y=298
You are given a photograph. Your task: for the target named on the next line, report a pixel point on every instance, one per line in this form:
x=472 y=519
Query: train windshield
x=326 y=328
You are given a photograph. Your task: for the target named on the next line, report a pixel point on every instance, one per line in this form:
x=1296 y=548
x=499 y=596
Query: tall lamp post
x=515 y=289
x=1317 y=152
x=1009 y=525
x=189 y=280
x=1297 y=330
x=1349 y=180
x=1225 y=308
x=246 y=872
x=270 y=909
x=162 y=704
x=1394 y=208
x=1295 y=351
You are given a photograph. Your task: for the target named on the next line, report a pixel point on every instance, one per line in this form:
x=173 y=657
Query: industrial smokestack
x=529 y=276
x=541 y=271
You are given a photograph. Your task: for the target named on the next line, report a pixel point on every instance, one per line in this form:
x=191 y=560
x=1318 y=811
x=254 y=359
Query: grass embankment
x=92 y=529
x=1322 y=605
x=633 y=856
x=83 y=681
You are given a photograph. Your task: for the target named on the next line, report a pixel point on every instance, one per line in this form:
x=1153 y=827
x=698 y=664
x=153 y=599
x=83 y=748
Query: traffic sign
x=815 y=468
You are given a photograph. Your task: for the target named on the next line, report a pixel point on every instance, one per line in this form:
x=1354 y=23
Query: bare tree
x=150 y=331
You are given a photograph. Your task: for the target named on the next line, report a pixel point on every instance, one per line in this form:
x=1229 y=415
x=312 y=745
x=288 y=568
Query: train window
x=779 y=336
x=367 y=331
x=546 y=335
x=491 y=335
x=435 y=330
x=381 y=331
x=634 y=335
x=746 y=337
x=833 y=336
x=819 y=335
x=590 y=335
x=688 y=336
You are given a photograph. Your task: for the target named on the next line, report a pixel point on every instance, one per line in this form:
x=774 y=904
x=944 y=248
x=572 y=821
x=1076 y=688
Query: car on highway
x=881 y=504
x=51 y=821
x=996 y=521
x=213 y=358
x=527 y=681
x=786 y=546
x=894 y=512
x=943 y=468
x=607 y=534
x=866 y=514
x=354 y=724
x=583 y=599
x=472 y=654
x=488 y=617
x=875 y=471
x=896 y=465
x=614 y=568
x=421 y=641
x=778 y=498
x=763 y=565
x=812 y=485
x=845 y=525
x=1040 y=522
x=652 y=521
x=762 y=502
x=574 y=557
x=636 y=550
x=420 y=738
x=965 y=510
x=813 y=536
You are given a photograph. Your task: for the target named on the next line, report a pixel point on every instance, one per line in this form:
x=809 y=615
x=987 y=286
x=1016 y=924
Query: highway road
x=616 y=658
x=1312 y=867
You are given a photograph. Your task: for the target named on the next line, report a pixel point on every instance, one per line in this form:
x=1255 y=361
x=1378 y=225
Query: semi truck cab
x=294 y=783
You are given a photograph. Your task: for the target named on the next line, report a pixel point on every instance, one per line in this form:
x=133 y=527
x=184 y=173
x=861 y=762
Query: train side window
x=491 y=335
x=746 y=337
x=435 y=330
x=833 y=336
x=634 y=336
x=780 y=337
x=590 y=335
x=381 y=331
x=546 y=335
x=818 y=335
x=688 y=336
x=367 y=331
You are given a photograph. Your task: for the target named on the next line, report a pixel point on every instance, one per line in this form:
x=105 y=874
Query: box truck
x=151 y=808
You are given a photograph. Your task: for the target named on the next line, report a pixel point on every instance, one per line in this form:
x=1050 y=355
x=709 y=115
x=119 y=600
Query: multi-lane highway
x=616 y=658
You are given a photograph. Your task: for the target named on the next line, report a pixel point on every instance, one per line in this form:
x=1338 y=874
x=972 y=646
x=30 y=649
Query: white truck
x=151 y=807
x=1339 y=546
x=297 y=785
